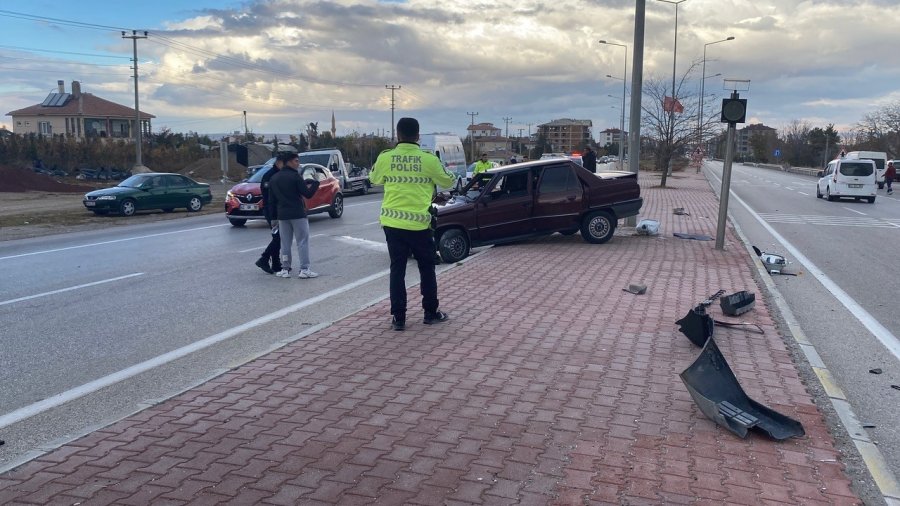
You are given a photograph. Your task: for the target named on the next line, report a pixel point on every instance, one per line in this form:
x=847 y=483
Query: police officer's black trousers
x=421 y=244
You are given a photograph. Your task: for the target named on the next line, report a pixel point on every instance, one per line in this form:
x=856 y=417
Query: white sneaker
x=306 y=273
x=283 y=273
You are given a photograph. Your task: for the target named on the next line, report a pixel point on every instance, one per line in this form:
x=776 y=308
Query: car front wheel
x=454 y=246
x=818 y=193
x=598 y=227
x=337 y=206
x=195 y=204
x=127 y=207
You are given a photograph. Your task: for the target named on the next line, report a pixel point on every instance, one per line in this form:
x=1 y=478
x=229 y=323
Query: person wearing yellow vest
x=482 y=165
x=409 y=176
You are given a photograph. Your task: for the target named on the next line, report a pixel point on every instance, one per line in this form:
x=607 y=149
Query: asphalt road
x=120 y=317
x=846 y=296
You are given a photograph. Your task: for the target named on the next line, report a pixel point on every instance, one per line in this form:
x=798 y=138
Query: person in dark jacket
x=273 y=250
x=889 y=175
x=287 y=190
x=589 y=159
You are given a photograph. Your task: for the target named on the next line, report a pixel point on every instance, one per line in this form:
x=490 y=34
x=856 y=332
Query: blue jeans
x=291 y=230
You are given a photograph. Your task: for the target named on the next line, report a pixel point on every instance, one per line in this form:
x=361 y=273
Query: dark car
x=531 y=199
x=154 y=190
x=244 y=200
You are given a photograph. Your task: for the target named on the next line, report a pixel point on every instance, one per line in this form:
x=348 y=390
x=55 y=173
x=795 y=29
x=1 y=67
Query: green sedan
x=149 y=191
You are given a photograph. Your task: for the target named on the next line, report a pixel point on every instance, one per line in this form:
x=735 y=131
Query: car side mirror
x=821 y=173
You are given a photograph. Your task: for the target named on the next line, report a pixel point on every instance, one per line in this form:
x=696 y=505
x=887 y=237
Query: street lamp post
x=622 y=122
x=702 y=89
x=674 y=60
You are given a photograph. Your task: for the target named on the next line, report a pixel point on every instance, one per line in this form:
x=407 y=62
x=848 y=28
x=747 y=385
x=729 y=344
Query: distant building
x=566 y=135
x=484 y=130
x=610 y=136
x=744 y=146
x=78 y=115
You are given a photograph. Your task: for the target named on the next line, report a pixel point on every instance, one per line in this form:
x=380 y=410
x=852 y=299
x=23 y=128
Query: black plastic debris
x=737 y=303
x=696 y=237
x=697 y=326
x=717 y=393
x=895 y=387
x=877 y=370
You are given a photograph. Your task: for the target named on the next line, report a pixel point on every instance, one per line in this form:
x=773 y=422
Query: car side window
x=556 y=178
x=176 y=181
x=511 y=185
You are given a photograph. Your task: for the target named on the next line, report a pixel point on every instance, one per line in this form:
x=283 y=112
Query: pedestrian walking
x=889 y=174
x=287 y=189
x=409 y=176
x=270 y=260
x=589 y=159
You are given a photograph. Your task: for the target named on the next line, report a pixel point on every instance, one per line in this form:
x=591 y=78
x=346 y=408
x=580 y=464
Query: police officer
x=482 y=165
x=409 y=176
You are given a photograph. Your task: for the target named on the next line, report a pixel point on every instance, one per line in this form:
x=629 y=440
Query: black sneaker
x=436 y=317
x=263 y=264
x=398 y=323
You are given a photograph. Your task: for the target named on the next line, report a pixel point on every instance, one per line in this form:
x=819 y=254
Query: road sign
x=777 y=153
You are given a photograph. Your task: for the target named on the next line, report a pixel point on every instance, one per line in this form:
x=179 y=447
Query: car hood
x=115 y=190
x=245 y=188
x=453 y=205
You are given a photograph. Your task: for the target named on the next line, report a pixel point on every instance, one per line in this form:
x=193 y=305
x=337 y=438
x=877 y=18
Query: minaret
x=333 y=129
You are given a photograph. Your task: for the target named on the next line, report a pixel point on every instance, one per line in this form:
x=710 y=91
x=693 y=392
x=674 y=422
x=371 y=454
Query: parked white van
x=880 y=159
x=449 y=149
x=846 y=177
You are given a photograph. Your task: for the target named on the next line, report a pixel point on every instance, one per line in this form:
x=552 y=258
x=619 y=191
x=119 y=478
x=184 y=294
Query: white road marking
x=365 y=243
x=111 y=379
x=801 y=193
x=61 y=290
x=881 y=333
x=91 y=245
x=252 y=249
x=373 y=223
x=855 y=211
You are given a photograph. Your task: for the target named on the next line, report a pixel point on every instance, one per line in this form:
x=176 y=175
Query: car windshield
x=258 y=175
x=319 y=158
x=134 y=181
x=858 y=169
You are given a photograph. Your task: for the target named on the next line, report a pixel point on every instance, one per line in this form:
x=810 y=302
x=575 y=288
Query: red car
x=244 y=200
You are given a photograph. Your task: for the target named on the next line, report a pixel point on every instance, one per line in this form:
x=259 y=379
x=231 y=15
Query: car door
x=559 y=199
x=178 y=191
x=153 y=194
x=321 y=196
x=503 y=210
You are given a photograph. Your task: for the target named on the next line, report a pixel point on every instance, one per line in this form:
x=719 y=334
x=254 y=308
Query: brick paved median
x=549 y=385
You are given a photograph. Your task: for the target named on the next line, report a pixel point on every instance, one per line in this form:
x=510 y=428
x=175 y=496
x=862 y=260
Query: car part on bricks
x=737 y=303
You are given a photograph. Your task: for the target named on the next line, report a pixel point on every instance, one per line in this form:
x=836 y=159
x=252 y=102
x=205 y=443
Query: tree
x=880 y=130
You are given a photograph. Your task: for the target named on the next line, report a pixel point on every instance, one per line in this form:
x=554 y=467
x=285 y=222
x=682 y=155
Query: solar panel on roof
x=56 y=100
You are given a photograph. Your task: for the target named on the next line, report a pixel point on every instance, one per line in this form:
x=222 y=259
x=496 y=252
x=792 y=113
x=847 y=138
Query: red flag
x=670 y=104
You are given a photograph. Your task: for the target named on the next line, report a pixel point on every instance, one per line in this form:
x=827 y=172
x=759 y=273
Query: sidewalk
x=549 y=385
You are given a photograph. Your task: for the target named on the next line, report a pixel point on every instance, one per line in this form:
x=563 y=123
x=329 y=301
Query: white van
x=880 y=159
x=449 y=149
x=846 y=177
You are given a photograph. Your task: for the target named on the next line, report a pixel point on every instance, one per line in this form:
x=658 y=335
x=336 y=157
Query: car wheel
x=237 y=223
x=871 y=200
x=880 y=185
x=828 y=195
x=454 y=246
x=337 y=206
x=195 y=204
x=168 y=209
x=818 y=193
x=127 y=207
x=598 y=227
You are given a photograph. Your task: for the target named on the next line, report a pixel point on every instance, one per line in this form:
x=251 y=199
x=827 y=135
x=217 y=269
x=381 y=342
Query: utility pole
x=393 y=127
x=507 y=120
x=637 y=81
x=137 y=111
x=472 y=134
x=246 y=130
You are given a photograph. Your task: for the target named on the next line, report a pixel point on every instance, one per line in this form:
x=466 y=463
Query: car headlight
x=106 y=197
x=229 y=195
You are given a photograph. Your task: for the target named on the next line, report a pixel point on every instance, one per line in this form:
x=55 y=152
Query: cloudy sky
x=291 y=62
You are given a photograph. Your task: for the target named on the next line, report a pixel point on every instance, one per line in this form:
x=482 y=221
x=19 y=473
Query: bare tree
x=671 y=132
x=880 y=130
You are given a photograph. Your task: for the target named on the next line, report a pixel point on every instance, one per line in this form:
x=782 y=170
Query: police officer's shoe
x=435 y=317
x=398 y=323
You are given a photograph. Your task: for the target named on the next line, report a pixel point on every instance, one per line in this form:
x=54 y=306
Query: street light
x=674 y=59
x=703 y=87
x=622 y=122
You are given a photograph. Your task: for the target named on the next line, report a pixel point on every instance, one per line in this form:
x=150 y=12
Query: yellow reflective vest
x=409 y=176
x=482 y=166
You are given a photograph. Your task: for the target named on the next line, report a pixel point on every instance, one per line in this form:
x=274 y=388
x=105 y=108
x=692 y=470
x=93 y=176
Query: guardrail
x=806 y=171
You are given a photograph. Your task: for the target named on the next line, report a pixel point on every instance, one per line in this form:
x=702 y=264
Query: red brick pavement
x=549 y=385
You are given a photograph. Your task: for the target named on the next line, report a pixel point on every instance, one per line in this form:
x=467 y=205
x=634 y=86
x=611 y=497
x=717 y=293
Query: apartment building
x=566 y=135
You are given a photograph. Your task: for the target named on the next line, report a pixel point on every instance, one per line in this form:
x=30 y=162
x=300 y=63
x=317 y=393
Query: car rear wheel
x=454 y=246
x=598 y=227
x=871 y=200
x=237 y=223
x=828 y=194
x=195 y=204
x=337 y=206
x=127 y=207
x=881 y=185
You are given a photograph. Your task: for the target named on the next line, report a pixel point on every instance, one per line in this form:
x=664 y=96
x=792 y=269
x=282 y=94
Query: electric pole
x=393 y=127
x=137 y=111
x=472 y=134
x=507 y=120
